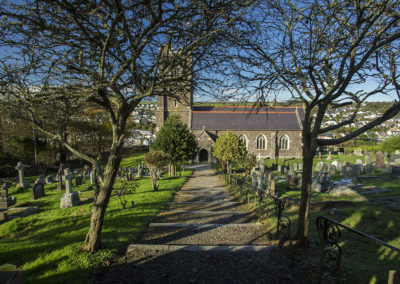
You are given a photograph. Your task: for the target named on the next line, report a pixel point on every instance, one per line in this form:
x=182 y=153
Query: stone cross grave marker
x=379 y=160
x=68 y=180
x=21 y=181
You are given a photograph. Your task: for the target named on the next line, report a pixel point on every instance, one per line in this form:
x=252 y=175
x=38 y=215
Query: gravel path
x=205 y=236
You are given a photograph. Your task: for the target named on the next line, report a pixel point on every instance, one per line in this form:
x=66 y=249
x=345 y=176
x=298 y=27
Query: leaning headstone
x=395 y=172
x=21 y=181
x=379 y=160
x=49 y=179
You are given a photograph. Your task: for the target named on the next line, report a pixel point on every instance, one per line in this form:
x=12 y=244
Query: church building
x=267 y=132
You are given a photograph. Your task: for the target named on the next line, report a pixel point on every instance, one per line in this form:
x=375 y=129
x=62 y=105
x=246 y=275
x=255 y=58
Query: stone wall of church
x=271 y=142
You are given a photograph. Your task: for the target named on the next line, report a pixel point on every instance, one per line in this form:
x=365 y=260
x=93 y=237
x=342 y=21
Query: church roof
x=247 y=118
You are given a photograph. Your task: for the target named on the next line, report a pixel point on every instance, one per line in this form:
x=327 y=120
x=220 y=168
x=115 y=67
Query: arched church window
x=243 y=139
x=284 y=142
x=261 y=142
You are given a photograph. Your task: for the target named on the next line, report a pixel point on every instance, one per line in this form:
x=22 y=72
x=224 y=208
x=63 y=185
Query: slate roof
x=247 y=118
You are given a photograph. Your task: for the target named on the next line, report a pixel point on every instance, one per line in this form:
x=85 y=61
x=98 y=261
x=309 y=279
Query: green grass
x=363 y=261
x=47 y=246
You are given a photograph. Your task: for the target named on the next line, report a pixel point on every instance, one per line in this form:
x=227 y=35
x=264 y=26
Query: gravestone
x=387 y=168
x=357 y=170
x=369 y=168
x=5 y=200
x=338 y=165
x=395 y=172
x=261 y=182
x=319 y=155
x=291 y=171
x=321 y=182
x=49 y=179
x=139 y=171
x=385 y=156
x=397 y=152
x=69 y=198
x=292 y=180
x=37 y=190
x=329 y=158
x=318 y=166
x=262 y=165
x=279 y=168
x=285 y=170
x=379 y=160
x=326 y=167
x=300 y=167
x=76 y=171
x=21 y=181
x=332 y=170
x=357 y=152
x=347 y=170
x=368 y=159
x=68 y=180
x=78 y=180
x=295 y=167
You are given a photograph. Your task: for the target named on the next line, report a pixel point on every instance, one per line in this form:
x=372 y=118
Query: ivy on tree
x=177 y=141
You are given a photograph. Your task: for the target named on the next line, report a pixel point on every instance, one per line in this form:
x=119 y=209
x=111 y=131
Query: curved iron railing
x=329 y=232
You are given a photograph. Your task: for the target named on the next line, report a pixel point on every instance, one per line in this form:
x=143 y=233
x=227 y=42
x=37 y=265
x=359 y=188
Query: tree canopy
x=175 y=139
x=228 y=148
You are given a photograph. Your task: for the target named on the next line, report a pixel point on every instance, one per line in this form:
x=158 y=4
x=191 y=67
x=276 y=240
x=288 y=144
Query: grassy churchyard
x=376 y=214
x=46 y=246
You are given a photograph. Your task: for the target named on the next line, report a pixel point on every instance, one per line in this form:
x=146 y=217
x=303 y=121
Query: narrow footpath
x=204 y=236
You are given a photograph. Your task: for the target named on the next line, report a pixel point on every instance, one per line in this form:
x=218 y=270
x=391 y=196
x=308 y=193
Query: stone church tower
x=176 y=94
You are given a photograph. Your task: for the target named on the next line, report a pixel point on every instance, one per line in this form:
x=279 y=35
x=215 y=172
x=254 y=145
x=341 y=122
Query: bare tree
x=60 y=54
x=319 y=53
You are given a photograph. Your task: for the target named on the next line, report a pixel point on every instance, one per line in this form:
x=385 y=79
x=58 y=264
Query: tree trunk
x=304 y=210
x=93 y=237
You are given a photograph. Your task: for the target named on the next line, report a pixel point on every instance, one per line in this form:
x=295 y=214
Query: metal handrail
x=329 y=232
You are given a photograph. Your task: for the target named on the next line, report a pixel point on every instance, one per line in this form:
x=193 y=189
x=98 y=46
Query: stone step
x=205 y=217
x=172 y=248
x=203 y=192
x=206 y=234
x=210 y=206
x=202 y=198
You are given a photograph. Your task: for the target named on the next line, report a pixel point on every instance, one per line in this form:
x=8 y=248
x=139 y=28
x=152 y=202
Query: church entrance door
x=203 y=155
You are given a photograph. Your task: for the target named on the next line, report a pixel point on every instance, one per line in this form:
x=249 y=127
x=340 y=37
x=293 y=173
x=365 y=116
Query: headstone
x=262 y=165
x=295 y=167
x=394 y=277
x=369 y=168
x=300 y=167
x=347 y=170
x=49 y=179
x=321 y=182
x=387 y=168
x=319 y=155
x=329 y=158
x=397 y=152
x=292 y=180
x=5 y=200
x=76 y=171
x=21 y=181
x=338 y=165
x=37 y=190
x=272 y=188
x=379 y=160
x=78 y=180
x=291 y=171
x=359 y=162
x=358 y=152
x=326 y=167
x=68 y=180
x=139 y=171
x=69 y=199
x=395 y=172
x=365 y=152
x=318 y=166
x=332 y=170
x=279 y=168
x=385 y=156
x=261 y=182
x=368 y=159
x=357 y=170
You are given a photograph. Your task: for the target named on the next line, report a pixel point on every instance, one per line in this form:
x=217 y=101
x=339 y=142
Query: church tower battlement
x=175 y=93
